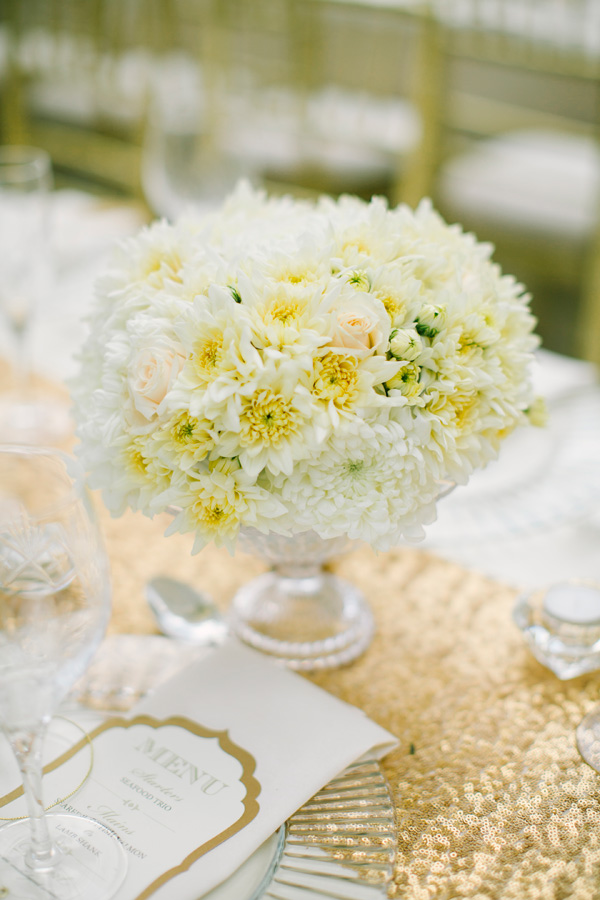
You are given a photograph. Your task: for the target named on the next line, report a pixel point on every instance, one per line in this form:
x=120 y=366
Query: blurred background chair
x=75 y=81
x=226 y=100
x=300 y=95
x=512 y=148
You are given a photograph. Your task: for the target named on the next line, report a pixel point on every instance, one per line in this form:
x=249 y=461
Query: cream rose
x=362 y=326
x=152 y=372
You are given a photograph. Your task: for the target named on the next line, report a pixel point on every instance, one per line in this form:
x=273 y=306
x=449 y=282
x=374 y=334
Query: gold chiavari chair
x=225 y=104
x=252 y=58
x=511 y=101
x=310 y=95
x=366 y=63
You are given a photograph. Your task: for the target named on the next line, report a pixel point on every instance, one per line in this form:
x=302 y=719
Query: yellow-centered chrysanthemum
x=161 y=265
x=336 y=379
x=207 y=355
x=268 y=419
x=184 y=440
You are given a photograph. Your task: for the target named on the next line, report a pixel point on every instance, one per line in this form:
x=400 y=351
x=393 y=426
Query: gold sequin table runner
x=491 y=796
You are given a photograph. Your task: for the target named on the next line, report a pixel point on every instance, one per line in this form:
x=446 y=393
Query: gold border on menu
x=246 y=760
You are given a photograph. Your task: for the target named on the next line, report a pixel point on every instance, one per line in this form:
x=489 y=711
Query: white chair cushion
x=534 y=181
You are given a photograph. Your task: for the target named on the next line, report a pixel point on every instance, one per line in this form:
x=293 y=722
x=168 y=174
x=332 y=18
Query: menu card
x=205 y=769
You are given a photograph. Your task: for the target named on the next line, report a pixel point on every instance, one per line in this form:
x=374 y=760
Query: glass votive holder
x=561 y=625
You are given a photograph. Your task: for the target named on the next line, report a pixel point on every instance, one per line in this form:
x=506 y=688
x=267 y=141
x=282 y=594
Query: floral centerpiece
x=291 y=366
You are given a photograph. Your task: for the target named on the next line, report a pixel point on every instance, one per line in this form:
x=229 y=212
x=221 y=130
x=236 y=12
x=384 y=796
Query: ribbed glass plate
x=341 y=844
x=338 y=846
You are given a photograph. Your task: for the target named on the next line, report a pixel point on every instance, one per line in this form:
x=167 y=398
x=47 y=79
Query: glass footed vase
x=299 y=612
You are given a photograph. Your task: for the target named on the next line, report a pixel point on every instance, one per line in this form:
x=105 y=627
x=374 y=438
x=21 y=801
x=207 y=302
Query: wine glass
x=27 y=414
x=186 y=164
x=54 y=608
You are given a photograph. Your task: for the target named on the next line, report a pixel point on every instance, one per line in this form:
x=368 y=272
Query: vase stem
x=299 y=612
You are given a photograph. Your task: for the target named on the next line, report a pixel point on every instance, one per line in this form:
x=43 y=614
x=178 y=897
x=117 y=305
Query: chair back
x=514 y=86
x=77 y=83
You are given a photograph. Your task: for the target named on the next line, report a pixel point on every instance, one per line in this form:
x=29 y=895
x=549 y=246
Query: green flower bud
x=430 y=320
x=538 y=412
x=405 y=343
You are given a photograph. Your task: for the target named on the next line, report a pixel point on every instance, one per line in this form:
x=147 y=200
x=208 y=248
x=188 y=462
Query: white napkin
x=300 y=736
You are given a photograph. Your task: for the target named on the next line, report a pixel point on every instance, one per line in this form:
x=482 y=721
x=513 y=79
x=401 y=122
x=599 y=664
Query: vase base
x=307 y=623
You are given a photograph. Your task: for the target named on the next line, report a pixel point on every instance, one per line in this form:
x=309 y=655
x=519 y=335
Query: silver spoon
x=184 y=613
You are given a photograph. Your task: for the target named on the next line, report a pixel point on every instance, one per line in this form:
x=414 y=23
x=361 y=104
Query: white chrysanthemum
x=368 y=482
x=249 y=219
x=130 y=475
x=218 y=501
x=286 y=317
x=182 y=441
x=158 y=254
x=346 y=384
x=220 y=355
x=361 y=232
x=400 y=292
x=276 y=425
x=300 y=260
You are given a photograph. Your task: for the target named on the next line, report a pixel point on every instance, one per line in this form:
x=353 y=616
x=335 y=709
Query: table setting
x=299 y=683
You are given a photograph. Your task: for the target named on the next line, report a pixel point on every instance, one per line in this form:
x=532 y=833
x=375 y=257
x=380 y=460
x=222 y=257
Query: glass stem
x=27 y=747
x=298 y=570
x=21 y=360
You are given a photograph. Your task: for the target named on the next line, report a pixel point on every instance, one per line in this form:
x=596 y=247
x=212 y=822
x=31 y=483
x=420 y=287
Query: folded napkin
x=205 y=769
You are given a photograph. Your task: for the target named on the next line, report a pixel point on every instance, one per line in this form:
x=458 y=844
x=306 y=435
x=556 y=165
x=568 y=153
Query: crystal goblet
x=54 y=608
